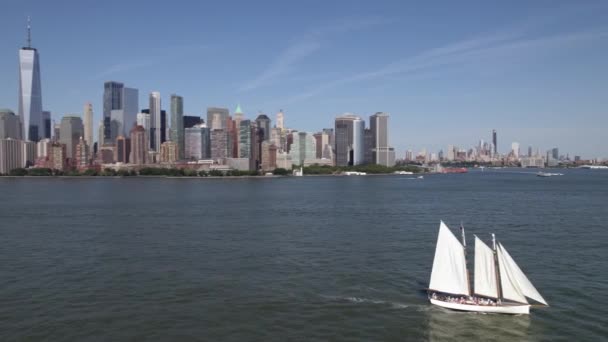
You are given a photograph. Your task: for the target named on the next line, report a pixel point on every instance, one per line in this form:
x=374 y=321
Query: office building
x=158 y=124
x=81 y=160
x=112 y=100
x=139 y=145
x=11 y=155
x=515 y=150
x=494 y=142
x=143 y=119
x=216 y=118
x=381 y=152
x=197 y=141
x=245 y=128
x=555 y=153
x=43 y=148
x=349 y=140
x=280 y=120
x=219 y=144
x=28 y=151
x=368 y=143
x=169 y=152
x=122 y=150
x=58 y=156
x=191 y=121
x=56 y=131
x=177 y=124
x=71 y=131
x=303 y=148
x=10 y=125
x=263 y=123
x=269 y=156
x=123 y=119
x=46 y=125
x=30 y=92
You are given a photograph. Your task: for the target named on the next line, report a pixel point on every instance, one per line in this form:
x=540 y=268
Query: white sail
x=485 y=270
x=516 y=278
x=449 y=272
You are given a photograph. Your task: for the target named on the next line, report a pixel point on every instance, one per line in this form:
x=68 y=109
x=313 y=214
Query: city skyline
x=535 y=121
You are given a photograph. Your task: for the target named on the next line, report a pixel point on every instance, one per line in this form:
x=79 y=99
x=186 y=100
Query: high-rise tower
x=494 y=141
x=177 y=124
x=112 y=100
x=88 y=125
x=30 y=92
x=156 y=121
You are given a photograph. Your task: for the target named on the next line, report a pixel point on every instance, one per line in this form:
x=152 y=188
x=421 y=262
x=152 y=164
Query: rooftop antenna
x=29 y=32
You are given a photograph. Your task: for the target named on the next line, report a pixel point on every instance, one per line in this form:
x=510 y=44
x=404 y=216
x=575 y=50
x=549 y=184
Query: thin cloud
x=491 y=48
x=172 y=52
x=305 y=46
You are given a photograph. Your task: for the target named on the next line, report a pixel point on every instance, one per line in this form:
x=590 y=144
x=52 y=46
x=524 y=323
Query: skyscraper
x=219 y=144
x=46 y=124
x=81 y=159
x=156 y=121
x=515 y=149
x=216 y=118
x=245 y=139
x=122 y=149
x=143 y=119
x=191 y=121
x=30 y=91
x=280 y=119
x=494 y=141
x=263 y=122
x=112 y=100
x=71 y=131
x=381 y=153
x=349 y=140
x=303 y=148
x=88 y=125
x=177 y=124
x=197 y=142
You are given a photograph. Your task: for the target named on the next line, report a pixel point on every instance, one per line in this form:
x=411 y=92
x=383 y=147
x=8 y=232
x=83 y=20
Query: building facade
x=219 y=144
x=263 y=123
x=71 y=131
x=112 y=100
x=88 y=125
x=349 y=140
x=216 y=118
x=11 y=155
x=139 y=145
x=10 y=125
x=197 y=143
x=177 y=124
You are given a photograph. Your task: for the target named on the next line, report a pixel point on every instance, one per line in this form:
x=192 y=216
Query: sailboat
x=500 y=285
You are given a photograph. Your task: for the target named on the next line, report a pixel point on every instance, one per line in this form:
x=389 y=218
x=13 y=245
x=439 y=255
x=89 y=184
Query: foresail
x=449 y=266
x=523 y=283
x=485 y=270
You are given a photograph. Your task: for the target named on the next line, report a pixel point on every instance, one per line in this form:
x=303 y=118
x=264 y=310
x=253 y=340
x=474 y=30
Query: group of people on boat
x=471 y=300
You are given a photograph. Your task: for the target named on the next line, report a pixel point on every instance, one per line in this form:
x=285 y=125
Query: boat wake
x=394 y=305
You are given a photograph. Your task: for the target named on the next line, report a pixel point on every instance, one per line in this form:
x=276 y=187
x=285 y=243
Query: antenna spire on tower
x=29 y=32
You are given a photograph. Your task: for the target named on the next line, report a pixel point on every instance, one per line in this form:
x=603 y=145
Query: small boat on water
x=500 y=285
x=420 y=177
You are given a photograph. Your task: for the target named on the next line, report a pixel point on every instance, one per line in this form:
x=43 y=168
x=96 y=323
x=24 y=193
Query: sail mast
x=496 y=270
x=464 y=246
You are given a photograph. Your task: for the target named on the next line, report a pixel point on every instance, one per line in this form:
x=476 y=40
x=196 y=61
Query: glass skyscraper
x=112 y=100
x=177 y=124
x=30 y=92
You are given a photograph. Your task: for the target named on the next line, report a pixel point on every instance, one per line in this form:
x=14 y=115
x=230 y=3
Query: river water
x=297 y=258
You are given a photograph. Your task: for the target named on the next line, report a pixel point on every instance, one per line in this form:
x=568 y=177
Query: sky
x=447 y=72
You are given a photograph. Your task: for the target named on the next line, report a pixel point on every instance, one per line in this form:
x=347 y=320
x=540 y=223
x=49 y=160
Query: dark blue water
x=307 y=258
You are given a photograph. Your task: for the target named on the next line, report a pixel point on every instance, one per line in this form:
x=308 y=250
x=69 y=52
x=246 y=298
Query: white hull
x=515 y=309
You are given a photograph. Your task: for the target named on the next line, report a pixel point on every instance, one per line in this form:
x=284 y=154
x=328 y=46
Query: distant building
x=219 y=144
x=88 y=125
x=58 y=156
x=10 y=126
x=11 y=155
x=169 y=152
x=122 y=150
x=245 y=130
x=555 y=153
x=349 y=138
x=536 y=162
x=28 y=153
x=303 y=148
x=368 y=143
x=216 y=118
x=106 y=154
x=46 y=124
x=263 y=123
x=382 y=153
x=112 y=100
x=191 y=121
x=269 y=156
x=30 y=92
x=81 y=160
x=177 y=124
x=143 y=119
x=139 y=146
x=197 y=141
x=494 y=142
x=515 y=150
x=123 y=119
x=71 y=131
x=43 y=148
x=280 y=120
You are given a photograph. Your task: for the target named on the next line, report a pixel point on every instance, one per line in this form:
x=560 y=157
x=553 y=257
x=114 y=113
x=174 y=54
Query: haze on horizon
x=448 y=73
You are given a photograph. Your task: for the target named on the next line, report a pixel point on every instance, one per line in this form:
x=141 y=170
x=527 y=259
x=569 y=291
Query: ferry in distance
x=500 y=285
x=548 y=174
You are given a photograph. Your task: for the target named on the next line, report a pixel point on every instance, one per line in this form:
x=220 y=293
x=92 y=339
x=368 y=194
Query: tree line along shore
x=185 y=172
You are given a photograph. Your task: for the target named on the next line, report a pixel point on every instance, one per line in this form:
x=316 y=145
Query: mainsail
x=485 y=270
x=515 y=285
x=449 y=272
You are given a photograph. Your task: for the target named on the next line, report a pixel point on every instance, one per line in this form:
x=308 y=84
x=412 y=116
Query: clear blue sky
x=448 y=72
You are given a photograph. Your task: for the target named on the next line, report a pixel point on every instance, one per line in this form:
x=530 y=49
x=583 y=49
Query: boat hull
x=501 y=309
